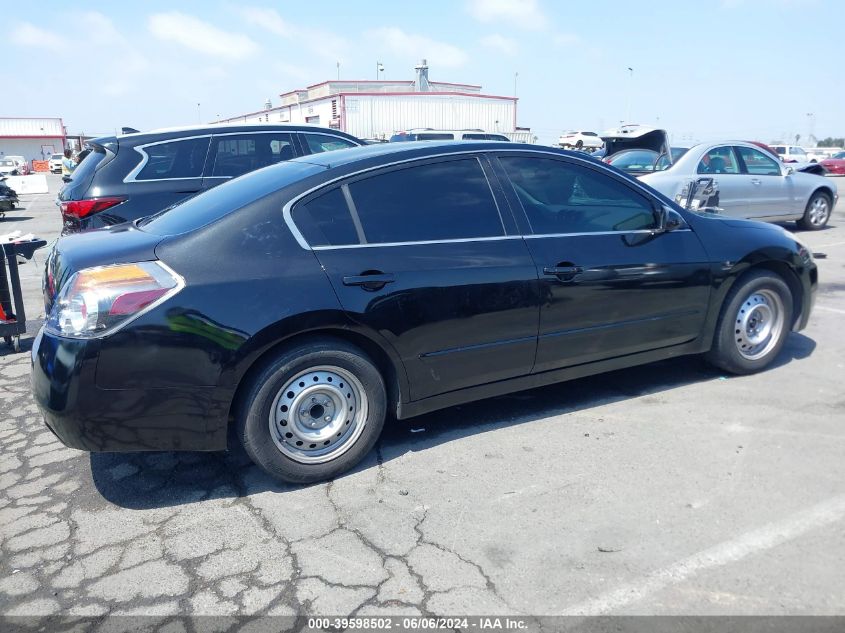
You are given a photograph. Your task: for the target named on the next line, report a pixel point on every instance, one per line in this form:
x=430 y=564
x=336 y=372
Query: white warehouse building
x=377 y=109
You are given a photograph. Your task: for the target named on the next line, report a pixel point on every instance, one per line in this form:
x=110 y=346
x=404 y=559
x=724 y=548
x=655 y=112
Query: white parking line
x=761 y=539
x=837 y=310
x=815 y=248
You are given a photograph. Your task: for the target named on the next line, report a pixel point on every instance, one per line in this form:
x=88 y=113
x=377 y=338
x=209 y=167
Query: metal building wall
x=31 y=127
x=369 y=116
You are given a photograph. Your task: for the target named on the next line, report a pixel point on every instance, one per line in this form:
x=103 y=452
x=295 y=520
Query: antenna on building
x=421 y=82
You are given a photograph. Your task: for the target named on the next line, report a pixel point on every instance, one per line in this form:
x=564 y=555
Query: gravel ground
x=666 y=489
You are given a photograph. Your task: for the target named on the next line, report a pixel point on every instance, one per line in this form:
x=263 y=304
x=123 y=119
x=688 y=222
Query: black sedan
x=307 y=302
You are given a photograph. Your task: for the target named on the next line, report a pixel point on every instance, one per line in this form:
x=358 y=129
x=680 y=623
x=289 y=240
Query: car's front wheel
x=753 y=324
x=313 y=411
x=817 y=212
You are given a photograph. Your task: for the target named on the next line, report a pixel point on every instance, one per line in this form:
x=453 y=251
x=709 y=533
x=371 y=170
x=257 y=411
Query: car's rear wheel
x=579 y=144
x=753 y=324
x=817 y=212
x=313 y=411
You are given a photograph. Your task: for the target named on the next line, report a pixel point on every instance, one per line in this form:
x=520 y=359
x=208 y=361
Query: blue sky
x=750 y=69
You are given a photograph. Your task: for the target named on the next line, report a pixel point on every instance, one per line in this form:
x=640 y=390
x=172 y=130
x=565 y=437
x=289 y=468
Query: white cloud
x=500 y=43
x=199 y=36
x=293 y=71
x=268 y=19
x=27 y=34
x=418 y=47
x=524 y=14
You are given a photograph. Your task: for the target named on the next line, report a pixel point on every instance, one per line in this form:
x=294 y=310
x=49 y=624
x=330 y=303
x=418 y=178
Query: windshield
x=839 y=155
x=56 y=157
x=207 y=207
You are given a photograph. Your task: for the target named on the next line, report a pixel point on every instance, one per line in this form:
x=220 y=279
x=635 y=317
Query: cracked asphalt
x=666 y=489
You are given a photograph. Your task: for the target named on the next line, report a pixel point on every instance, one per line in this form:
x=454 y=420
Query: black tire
x=262 y=438
x=814 y=219
x=579 y=144
x=738 y=310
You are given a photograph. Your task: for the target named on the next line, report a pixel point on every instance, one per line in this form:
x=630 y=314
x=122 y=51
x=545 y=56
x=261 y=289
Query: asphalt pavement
x=664 y=489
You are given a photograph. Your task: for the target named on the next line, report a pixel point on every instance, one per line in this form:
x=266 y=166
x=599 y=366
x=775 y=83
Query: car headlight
x=98 y=301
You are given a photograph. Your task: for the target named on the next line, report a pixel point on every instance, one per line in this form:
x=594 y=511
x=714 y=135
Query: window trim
x=383 y=169
x=131 y=176
x=490 y=154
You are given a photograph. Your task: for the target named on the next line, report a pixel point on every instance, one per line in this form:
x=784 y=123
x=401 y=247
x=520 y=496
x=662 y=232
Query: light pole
x=379 y=69
x=515 y=77
x=811 y=122
x=199 y=118
x=630 y=88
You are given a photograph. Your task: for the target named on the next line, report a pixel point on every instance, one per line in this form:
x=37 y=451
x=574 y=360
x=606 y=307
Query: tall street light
x=630 y=89
x=811 y=122
x=515 y=77
x=379 y=69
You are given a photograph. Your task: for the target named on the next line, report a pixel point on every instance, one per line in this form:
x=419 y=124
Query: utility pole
x=630 y=89
x=515 y=77
x=338 y=71
x=811 y=122
x=199 y=118
x=379 y=69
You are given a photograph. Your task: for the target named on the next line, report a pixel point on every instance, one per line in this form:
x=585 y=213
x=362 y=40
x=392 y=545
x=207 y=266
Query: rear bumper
x=89 y=418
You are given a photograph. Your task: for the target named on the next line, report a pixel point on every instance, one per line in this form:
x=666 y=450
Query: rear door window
x=447 y=200
x=236 y=154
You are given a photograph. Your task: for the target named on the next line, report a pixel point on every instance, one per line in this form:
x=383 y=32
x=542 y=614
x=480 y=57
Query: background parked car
x=429 y=134
x=791 y=153
x=835 y=165
x=307 y=301
x=751 y=184
x=644 y=161
x=23 y=165
x=55 y=163
x=579 y=140
x=8 y=167
x=134 y=175
x=818 y=154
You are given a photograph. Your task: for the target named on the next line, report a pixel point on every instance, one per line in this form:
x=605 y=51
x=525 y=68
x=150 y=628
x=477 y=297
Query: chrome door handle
x=563 y=272
x=756 y=181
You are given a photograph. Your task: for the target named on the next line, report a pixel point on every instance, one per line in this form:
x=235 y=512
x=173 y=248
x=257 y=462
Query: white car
x=55 y=163
x=818 y=154
x=20 y=161
x=791 y=153
x=8 y=167
x=580 y=140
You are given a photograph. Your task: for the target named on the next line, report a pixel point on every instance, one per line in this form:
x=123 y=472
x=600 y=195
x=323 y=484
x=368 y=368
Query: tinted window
x=434 y=136
x=438 y=201
x=215 y=203
x=326 y=220
x=560 y=197
x=719 y=160
x=175 y=159
x=88 y=165
x=780 y=150
x=635 y=160
x=475 y=136
x=757 y=163
x=322 y=143
x=237 y=154
x=839 y=155
x=589 y=133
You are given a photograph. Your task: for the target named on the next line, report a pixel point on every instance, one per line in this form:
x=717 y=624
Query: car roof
x=407 y=151
x=216 y=128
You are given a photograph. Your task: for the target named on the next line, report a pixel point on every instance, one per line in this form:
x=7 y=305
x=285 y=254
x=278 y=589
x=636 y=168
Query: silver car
x=751 y=183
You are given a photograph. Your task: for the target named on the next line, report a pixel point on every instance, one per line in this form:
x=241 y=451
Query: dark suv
x=306 y=303
x=135 y=175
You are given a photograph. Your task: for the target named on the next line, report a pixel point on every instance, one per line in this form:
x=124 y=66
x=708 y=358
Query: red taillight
x=84 y=208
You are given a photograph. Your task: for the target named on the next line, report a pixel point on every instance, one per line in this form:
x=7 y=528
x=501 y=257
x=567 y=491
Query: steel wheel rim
x=318 y=414
x=819 y=210
x=758 y=324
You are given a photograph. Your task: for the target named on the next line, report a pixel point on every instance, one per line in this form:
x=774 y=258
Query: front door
x=423 y=255
x=609 y=285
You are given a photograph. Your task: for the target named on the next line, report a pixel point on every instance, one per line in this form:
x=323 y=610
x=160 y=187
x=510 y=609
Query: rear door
x=736 y=190
x=423 y=254
x=609 y=286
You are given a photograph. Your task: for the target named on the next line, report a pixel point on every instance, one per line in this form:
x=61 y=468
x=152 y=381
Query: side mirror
x=670 y=220
x=789 y=171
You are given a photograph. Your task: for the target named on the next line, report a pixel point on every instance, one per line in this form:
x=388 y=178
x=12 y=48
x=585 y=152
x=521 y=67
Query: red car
x=835 y=165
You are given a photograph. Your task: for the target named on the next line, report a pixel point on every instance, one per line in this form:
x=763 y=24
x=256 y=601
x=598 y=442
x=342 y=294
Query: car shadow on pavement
x=166 y=479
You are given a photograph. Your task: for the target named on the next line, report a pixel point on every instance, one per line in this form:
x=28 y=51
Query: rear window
x=184 y=158
x=435 y=136
x=89 y=164
x=589 y=134
x=216 y=203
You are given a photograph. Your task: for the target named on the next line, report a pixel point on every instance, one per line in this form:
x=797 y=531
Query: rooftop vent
x=421 y=82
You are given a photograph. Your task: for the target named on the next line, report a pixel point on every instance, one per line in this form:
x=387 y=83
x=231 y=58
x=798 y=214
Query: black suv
x=135 y=175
